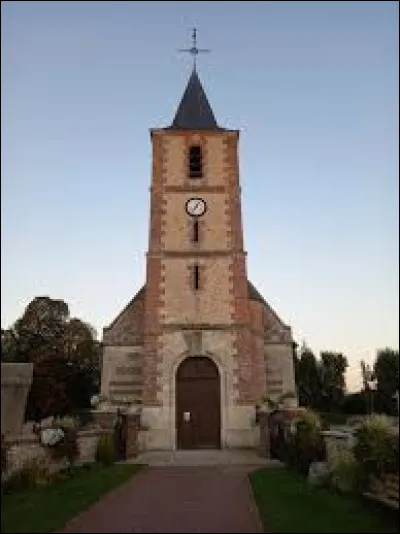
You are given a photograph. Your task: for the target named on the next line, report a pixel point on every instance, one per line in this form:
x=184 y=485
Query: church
x=198 y=346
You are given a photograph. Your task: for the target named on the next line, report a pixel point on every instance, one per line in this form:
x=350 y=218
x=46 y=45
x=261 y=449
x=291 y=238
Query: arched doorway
x=198 y=404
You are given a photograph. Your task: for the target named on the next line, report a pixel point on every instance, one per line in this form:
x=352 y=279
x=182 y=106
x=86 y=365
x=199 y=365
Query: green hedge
x=333 y=418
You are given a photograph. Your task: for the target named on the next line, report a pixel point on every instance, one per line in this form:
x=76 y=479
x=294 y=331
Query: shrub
x=374 y=448
x=66 y=422
x=3 y=454
x=307 y=444
x=32 y=473
x=392 y=461
x=309 y=447
x=355 y=420
x=106 y=452
x=310 y=419
x=70 y=445
x=62 y=440
x=332 y=418
x=84 y=417
x=344 y=472
x=286 y=452
x=66 y=446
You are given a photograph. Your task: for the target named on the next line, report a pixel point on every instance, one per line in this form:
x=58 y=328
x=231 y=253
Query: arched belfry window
x=195 y=162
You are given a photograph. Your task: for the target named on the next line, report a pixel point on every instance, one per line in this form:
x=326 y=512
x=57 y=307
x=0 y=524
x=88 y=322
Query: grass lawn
x=47 y=508
x=287 y=504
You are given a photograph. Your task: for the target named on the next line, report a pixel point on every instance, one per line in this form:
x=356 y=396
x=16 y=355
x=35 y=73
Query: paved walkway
x=179 y=498
x=211 y=457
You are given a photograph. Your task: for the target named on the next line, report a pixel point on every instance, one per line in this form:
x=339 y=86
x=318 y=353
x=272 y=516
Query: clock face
x=196 y=207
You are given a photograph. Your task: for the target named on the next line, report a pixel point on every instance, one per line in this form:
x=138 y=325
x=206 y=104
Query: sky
x=313 y=88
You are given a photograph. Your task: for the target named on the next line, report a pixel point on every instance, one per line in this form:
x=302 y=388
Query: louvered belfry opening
x=195 y=162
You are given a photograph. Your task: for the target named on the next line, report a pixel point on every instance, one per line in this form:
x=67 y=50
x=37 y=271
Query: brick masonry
x=244 y=334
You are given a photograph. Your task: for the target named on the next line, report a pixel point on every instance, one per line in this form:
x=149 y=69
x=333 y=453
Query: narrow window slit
x=196 y=277
x=196 y=231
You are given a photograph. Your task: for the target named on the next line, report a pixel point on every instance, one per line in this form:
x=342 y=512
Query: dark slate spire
x=194 y=111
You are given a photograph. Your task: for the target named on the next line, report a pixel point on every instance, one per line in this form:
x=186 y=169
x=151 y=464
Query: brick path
x=176 y=499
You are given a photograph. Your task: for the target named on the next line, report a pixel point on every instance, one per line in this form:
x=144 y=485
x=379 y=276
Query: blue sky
x=313 y=87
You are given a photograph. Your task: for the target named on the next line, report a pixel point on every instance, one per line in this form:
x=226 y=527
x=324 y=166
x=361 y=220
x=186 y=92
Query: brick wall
x=170 y=298
x=223 y=298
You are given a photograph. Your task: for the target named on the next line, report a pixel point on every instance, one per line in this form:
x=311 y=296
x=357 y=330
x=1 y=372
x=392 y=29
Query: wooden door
x=198 y=404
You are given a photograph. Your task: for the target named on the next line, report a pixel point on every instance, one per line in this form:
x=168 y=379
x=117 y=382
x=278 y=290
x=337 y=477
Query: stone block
x=16 y=380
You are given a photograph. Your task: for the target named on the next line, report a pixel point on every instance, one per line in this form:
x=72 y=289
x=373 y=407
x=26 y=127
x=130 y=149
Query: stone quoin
x=197 y=345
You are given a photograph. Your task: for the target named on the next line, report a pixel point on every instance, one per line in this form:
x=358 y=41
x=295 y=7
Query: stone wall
x=122 y=373
x=183 y=305
x=22 y=449
x=337 y=441
x=237 y=421
x=231 y=324
x=106 y=420
x=214 y=224
x=264 y=444
x=280 y=369
x=342 y=439
x=127 y=327
x=16 y=379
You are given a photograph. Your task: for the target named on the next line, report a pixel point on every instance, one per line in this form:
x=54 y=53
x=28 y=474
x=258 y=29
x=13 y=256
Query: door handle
x=186 y=416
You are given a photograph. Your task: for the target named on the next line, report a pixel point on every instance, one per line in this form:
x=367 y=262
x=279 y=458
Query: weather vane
x=194 y=50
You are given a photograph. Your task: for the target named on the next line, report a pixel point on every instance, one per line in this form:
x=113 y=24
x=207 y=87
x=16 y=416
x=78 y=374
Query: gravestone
x=16 y=380
x=318 y=473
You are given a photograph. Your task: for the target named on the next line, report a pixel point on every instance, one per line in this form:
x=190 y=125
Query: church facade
x=197 y=346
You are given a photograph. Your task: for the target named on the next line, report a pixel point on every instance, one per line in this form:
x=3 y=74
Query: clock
x=196 y=207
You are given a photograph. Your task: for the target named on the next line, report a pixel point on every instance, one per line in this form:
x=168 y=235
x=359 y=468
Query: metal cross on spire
x=194 y=50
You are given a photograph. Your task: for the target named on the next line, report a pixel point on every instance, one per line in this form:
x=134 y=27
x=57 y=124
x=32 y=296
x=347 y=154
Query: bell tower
x=196 y=272
x=197 y=346
x=196 y=289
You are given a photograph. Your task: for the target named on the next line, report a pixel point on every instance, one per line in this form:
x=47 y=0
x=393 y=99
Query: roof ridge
x=135 y=297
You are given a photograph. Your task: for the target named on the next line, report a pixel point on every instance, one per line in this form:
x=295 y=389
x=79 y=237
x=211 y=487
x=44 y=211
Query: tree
x=296 y=361
x=9 y=347
x=332 y=369
x=42 y=323
x=386 y=371
x=308 y=380
x=354 y=403
x=279 y=403
x=48 y=394
x=84 y=356
x=65 y=355
x=367 y=379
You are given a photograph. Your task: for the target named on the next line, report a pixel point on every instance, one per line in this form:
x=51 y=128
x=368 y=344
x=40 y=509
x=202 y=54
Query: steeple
x=194 y=111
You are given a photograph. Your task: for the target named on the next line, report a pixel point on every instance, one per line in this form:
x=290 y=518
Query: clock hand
x=196 y=205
